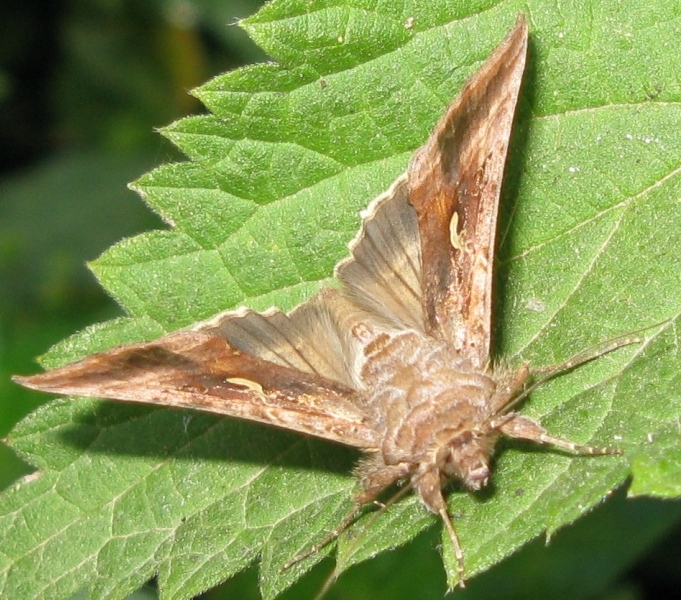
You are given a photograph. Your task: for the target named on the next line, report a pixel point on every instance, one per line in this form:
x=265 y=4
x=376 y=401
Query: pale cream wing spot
x=248 y=384
x=456 y=237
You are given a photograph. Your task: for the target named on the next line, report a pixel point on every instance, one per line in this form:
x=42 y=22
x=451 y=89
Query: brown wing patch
x=455 y=182
x=200 y=370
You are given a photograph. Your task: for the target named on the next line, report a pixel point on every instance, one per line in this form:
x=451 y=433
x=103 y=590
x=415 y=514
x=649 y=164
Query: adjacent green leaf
x=263 y=210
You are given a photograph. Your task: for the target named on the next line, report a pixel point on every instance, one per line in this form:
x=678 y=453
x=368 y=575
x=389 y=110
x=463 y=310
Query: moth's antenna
x=581 y=358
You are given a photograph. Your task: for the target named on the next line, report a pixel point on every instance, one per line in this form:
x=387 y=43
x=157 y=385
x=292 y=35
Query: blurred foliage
x=83 y=83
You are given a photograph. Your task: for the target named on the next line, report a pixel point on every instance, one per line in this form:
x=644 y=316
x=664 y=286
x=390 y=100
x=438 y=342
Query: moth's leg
x=514 y=425
x=374 y=477
x=428 y=483
x=508 y=388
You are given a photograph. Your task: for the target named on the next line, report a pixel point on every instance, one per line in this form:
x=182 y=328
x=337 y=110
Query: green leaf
x=262 y=211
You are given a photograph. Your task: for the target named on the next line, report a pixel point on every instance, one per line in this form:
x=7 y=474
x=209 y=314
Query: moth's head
x=466 y=456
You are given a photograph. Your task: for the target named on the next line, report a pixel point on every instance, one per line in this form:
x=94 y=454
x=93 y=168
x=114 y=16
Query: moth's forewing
x=200 y=370
x=423 y=258
x=455 y=182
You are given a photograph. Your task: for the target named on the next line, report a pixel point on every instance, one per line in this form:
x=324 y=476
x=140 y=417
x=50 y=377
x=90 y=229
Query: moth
x=396 y=361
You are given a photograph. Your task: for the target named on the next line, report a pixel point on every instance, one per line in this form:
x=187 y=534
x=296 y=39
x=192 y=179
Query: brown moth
x=397 y=361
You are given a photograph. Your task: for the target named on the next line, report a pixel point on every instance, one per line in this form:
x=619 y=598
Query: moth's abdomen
x=420 y=392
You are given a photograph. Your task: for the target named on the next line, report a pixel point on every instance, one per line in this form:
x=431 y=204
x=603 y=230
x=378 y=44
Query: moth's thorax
x=430 y=405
